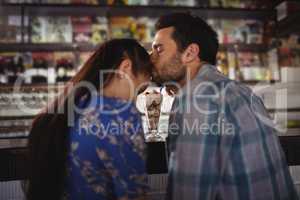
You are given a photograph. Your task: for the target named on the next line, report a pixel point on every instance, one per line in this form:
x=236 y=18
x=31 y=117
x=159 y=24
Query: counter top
x=21 y=142
x=14 y=163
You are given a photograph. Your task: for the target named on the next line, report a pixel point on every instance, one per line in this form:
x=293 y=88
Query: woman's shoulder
x=108 y=115
x=109 y=106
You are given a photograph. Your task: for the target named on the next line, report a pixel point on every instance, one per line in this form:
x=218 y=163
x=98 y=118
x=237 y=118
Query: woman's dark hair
x=191 y=29
x=48 y=139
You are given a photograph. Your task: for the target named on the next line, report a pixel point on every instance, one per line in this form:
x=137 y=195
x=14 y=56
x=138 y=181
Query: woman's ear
x=125 y=68
x=191 y=53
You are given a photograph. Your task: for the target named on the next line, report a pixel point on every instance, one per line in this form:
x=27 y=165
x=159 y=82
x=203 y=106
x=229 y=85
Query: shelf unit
x=39 y=9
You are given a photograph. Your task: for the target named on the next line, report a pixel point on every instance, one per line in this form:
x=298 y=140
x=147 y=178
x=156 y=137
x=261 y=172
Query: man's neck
x=191 y=72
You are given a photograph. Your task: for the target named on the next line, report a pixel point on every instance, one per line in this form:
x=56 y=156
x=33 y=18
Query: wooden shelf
x=15 y=163
x=46 y=47
x=137 y=10
x=244 y=47
x=253 y=83
x=10 y=10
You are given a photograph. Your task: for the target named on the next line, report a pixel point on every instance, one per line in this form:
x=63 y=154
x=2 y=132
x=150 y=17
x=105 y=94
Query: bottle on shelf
x=222 y=63
x=19 y=69
x=64 y=70
x=3 y=78
x=10 y=70
x=232 y=65
x=38 y=64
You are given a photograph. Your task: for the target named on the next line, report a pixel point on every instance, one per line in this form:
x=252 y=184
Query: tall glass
x=153 y=101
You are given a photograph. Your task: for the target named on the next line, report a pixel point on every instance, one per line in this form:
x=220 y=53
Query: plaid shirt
x=222 y=144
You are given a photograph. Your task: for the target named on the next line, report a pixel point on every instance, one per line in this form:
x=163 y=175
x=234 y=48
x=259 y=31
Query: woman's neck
x=117 y=90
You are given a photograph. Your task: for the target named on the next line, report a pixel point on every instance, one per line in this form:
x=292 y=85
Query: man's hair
x=191 y=29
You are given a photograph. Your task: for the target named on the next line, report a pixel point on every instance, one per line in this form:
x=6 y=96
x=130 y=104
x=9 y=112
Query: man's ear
x=191 y=53
x=125 y=68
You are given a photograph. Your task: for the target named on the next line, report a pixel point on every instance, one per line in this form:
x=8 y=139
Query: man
x=221 y=141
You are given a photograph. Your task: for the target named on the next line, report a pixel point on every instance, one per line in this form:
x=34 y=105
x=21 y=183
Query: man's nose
x=152 y=56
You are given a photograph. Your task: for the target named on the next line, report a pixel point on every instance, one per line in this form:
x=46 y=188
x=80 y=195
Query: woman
x=94 y=149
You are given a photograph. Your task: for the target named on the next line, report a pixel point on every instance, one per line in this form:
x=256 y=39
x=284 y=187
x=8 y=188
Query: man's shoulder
x=213 y=87
x=217 y=83
x=210 y=80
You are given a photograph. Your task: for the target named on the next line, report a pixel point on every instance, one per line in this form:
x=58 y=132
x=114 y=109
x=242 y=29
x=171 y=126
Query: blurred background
x=43 y=43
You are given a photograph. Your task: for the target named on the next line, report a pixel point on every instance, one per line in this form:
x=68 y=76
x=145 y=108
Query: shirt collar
x=204 y=69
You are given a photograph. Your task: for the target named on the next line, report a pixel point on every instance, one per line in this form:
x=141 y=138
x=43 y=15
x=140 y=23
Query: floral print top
x=106 y=157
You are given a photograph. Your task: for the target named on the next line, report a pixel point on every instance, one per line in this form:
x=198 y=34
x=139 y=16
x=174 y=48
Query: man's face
x=166 y=57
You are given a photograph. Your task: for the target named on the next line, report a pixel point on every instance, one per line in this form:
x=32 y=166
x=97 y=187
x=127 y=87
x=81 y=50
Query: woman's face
x=134 y=79
x=142 y=79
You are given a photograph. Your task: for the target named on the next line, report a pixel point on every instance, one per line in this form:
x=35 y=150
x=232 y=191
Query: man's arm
x=199 y=154
x=256 y=166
